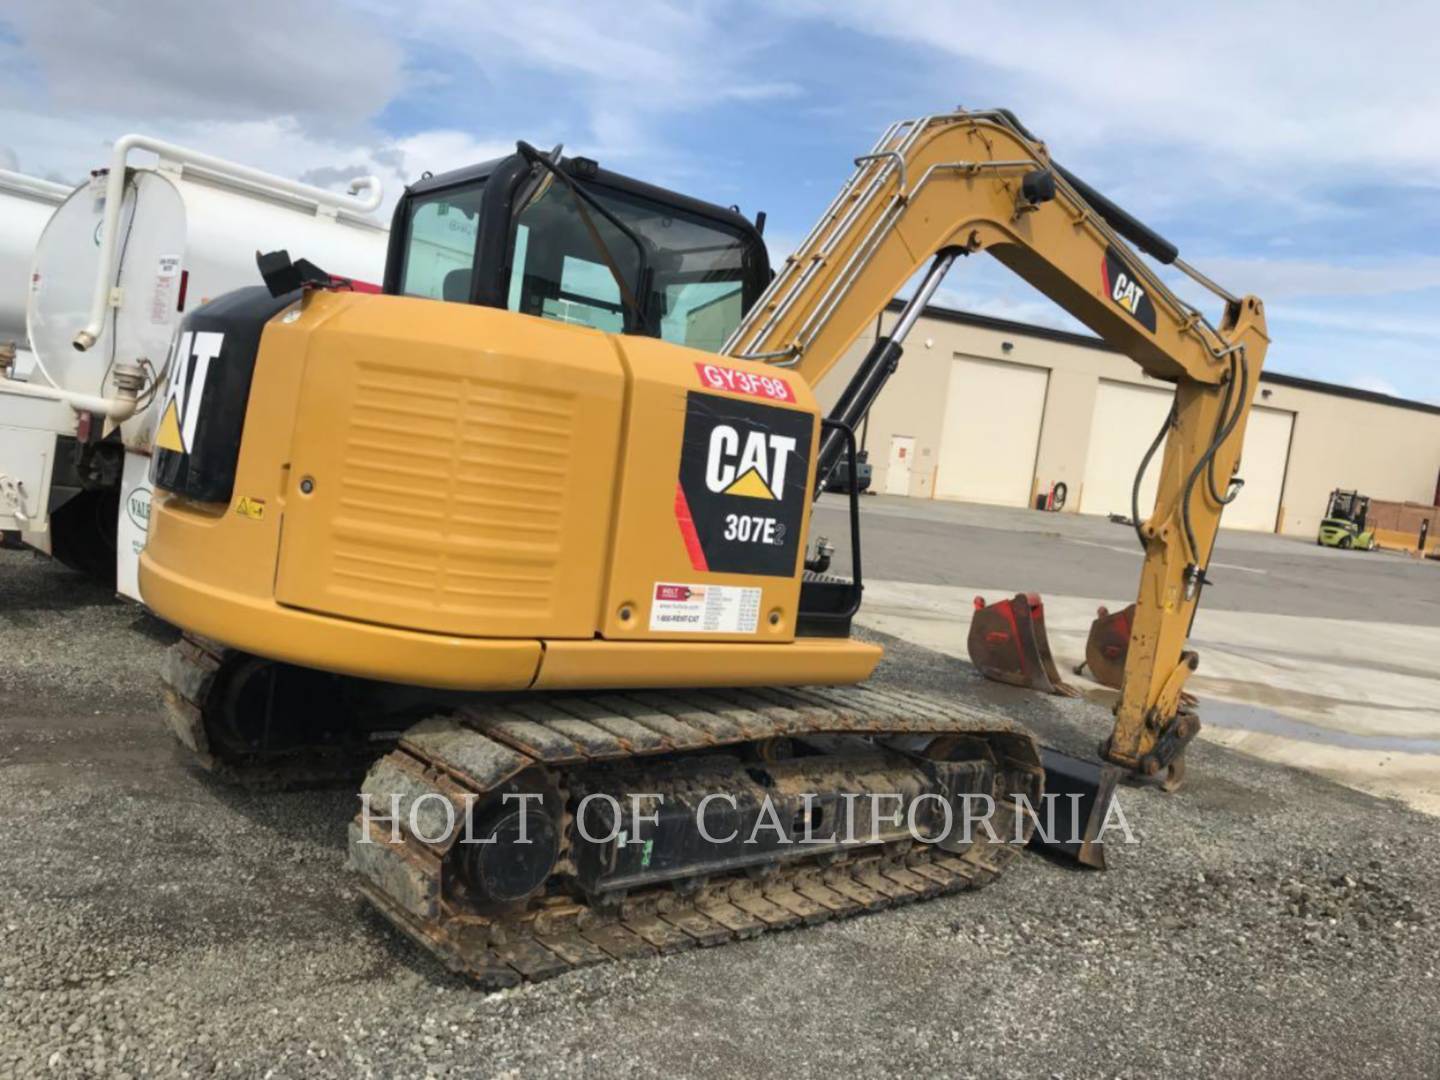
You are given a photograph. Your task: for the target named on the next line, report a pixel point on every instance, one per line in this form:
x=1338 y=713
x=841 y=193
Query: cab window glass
x=559 y=273
x=441 y=248
x=698 y=270
x=701 y=314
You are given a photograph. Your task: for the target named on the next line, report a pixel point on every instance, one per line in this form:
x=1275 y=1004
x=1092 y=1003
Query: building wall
x=1380 y=450
x=913 y=403
x=1387 y=451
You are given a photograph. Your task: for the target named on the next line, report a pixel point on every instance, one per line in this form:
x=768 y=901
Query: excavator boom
x=956 y=184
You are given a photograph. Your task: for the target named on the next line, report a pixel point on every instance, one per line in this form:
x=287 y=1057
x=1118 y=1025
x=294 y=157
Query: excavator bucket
x=1075 y=816
x=1108 y=644
x=1008 y=644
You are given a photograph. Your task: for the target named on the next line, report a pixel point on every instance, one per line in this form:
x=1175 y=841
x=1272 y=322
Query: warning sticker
x=704 y=609
x=164 y=298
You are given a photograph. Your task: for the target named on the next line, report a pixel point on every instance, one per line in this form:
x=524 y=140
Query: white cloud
x=1278 y=279
x=625 y=63
x=174 y=59
x=652 y=56
x=1281 y=86
x=1365 y=322
x=441 y=151
x=301 y=100
x=253 y=82
x=69 y=149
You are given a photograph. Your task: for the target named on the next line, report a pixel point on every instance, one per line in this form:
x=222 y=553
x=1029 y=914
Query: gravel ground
x=153 y=922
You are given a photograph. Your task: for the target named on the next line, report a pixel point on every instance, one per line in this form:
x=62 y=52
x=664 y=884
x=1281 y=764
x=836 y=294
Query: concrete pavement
x=1295 y=666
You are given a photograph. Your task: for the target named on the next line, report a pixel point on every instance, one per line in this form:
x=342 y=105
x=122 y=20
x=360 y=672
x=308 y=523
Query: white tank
x=185 y=235
x=26 y=204
x=106 y=292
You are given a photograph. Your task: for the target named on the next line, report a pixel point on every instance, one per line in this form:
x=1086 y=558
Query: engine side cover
x=714 y=502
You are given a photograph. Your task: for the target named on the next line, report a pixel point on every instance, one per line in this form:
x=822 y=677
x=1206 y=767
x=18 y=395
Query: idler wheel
x=511 y=851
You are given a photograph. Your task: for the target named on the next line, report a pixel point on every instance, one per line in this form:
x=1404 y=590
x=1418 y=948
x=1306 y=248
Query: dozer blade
x=1108 y=644
x=1008 y=643
x=1083 y=790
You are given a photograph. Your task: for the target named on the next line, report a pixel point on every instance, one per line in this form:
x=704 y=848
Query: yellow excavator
x=537 y=519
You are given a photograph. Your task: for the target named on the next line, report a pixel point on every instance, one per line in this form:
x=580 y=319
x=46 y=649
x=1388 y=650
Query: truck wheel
x=82 y=534
x=1346 y=542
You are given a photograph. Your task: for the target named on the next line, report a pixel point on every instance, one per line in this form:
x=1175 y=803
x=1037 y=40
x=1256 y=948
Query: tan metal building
x=991 y=411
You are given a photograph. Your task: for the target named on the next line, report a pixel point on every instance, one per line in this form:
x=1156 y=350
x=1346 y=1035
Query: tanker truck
x=26 y=203
x=119 y=263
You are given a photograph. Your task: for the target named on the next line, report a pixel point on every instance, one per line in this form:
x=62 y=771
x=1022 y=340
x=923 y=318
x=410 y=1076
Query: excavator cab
x=564 y=239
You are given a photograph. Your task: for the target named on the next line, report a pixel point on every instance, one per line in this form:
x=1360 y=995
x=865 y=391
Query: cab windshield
x=698 y=274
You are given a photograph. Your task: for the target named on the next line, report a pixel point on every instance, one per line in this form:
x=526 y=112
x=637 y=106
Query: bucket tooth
x=1008 y=643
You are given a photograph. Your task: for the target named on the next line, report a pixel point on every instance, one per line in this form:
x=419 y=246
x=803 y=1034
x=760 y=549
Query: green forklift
x=1344 y=524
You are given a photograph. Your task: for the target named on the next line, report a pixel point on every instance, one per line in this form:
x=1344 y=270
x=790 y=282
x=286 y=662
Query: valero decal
x=189 y=369
x=137 y=506
x=1123 y=287
x=744 y=473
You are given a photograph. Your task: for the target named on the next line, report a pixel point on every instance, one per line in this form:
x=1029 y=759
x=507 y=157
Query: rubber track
x=479 y=749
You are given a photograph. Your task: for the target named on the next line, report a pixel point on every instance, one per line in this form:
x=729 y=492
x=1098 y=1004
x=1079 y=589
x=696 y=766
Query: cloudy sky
x=1291 y=150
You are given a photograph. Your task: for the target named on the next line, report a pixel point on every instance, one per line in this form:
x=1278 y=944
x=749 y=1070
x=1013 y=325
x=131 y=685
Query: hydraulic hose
x=1140 y=473
x=1232 y=418
x=1223 y=427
